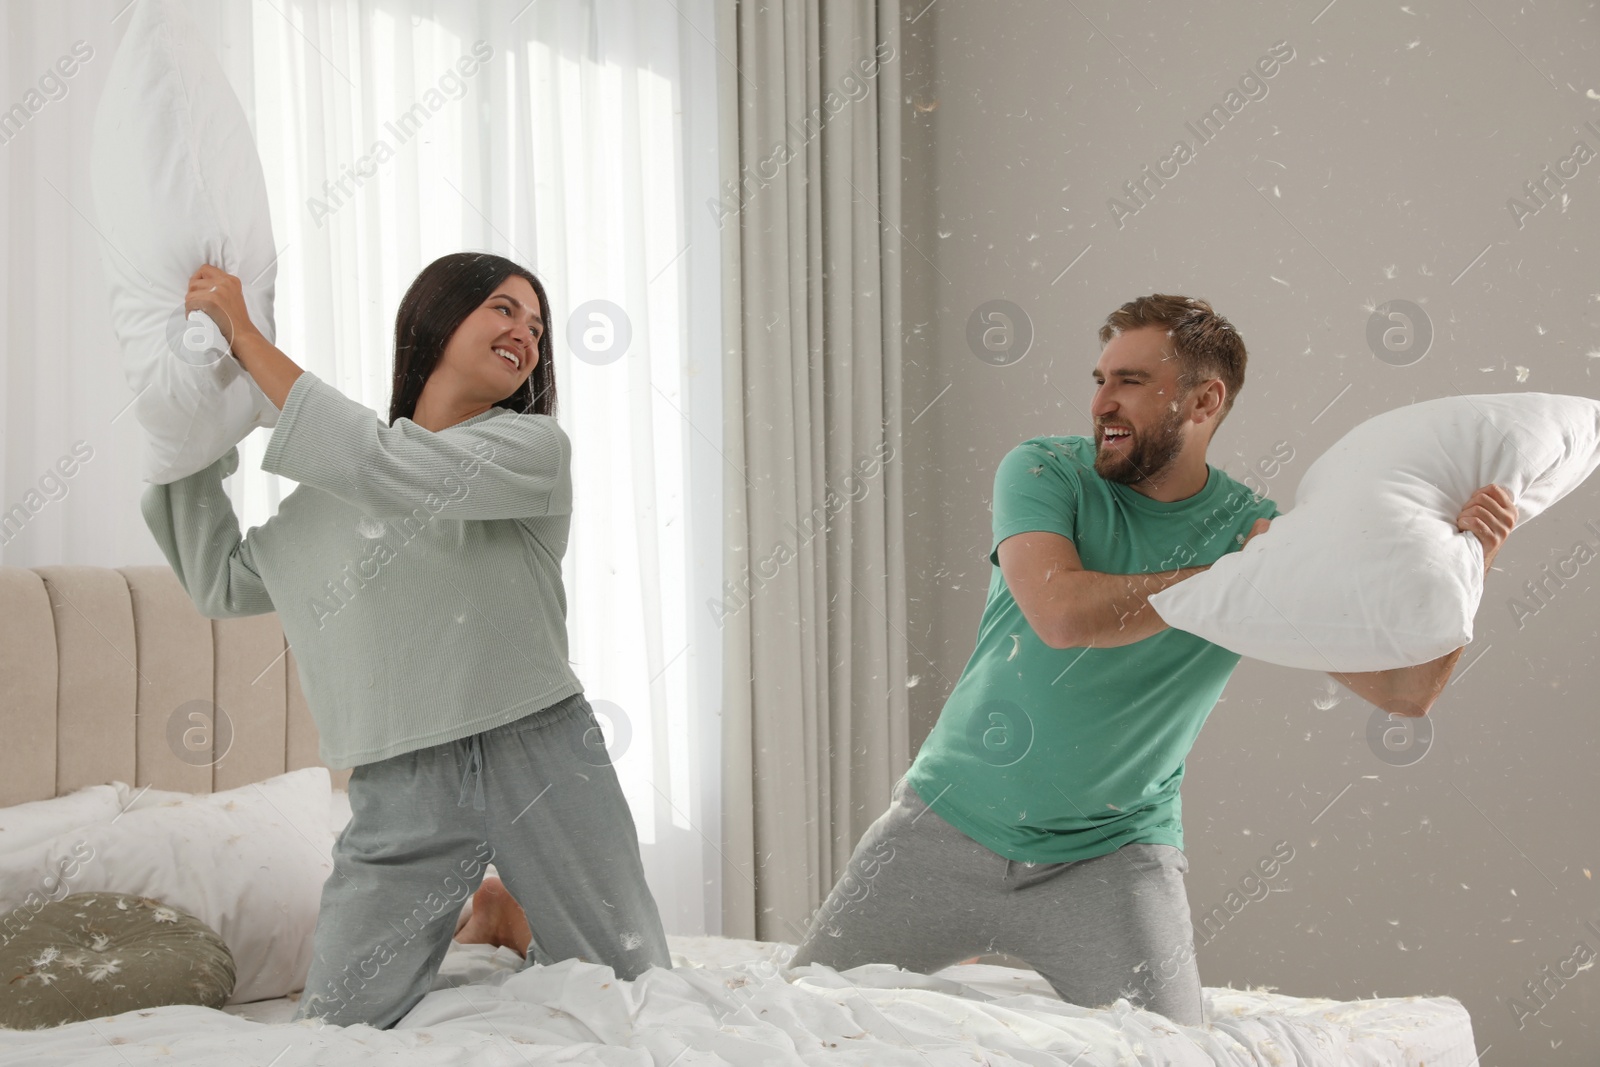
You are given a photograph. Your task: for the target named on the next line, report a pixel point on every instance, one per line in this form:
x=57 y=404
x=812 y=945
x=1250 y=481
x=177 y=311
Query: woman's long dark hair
x=439 y=299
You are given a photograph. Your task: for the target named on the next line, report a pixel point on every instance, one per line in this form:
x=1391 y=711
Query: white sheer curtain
x=576 y=138
x=584 y=147
x=69 y=462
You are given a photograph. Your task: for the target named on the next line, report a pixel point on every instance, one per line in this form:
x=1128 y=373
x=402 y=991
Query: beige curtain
x=813 y=617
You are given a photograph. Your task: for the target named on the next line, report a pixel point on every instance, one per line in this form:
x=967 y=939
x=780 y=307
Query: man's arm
x=1411 y=691
x=1405 y=691
x=1069 y=607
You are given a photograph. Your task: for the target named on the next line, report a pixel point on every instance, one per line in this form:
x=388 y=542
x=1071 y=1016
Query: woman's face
x=507 y=322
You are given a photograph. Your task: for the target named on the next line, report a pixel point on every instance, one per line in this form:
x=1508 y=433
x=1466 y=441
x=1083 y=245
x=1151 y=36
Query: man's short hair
x=1205 y=343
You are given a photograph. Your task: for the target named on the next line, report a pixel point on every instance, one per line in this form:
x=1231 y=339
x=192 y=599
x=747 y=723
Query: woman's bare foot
x=496 y=919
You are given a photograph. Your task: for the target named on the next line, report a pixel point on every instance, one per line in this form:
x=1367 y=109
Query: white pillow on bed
x=23 y=825
x=338 y=812
x=1368 y=571
x=177 y=183
x=248 y=862
x=133 y=798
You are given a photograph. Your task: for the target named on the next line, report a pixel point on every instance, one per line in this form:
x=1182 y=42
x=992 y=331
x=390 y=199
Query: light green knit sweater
x=416 y=575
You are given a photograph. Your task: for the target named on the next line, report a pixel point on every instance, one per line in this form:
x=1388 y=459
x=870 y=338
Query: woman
x=416 y=572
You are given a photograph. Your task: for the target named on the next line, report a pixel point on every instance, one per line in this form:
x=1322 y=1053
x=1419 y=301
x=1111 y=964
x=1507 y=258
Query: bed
x=95 y=664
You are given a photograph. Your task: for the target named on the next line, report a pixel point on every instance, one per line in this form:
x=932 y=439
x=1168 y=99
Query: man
x=1041 y=818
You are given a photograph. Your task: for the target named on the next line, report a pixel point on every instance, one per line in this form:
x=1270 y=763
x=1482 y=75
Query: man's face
x=1138 y=401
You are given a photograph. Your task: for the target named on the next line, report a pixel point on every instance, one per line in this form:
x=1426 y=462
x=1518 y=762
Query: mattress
x=731 y=1002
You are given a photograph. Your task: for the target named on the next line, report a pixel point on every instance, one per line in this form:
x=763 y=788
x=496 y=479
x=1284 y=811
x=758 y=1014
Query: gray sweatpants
x=921 y=895
x=536 y=797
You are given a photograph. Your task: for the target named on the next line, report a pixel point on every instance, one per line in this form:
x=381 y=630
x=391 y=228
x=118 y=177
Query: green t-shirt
x=1045 y=755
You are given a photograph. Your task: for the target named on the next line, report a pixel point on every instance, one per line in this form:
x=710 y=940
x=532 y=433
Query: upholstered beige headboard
x=112 y=674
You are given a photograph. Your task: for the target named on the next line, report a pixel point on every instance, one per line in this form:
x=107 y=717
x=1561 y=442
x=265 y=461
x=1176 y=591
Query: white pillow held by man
x=1368 y=571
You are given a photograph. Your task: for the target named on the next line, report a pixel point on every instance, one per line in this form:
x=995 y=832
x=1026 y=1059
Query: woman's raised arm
x=193 y=522
x=507 y=466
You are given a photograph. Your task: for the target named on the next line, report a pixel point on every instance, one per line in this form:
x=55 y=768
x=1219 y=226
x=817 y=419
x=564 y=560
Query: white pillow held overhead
x=1368 y=572
x=177 y=183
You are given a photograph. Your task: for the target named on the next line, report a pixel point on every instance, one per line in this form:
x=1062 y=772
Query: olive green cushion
x=90 y=955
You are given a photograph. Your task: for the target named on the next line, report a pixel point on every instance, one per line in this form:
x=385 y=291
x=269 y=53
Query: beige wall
x=1377 y=166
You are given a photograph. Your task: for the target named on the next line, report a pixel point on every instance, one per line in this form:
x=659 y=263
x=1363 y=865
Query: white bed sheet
x=726 y=1002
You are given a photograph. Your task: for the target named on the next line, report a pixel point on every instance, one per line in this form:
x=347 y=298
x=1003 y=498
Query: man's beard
x=1153 y=451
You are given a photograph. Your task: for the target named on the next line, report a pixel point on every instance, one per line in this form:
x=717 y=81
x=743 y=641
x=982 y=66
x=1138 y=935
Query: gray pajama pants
x=921 y=895
x=536 y=797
